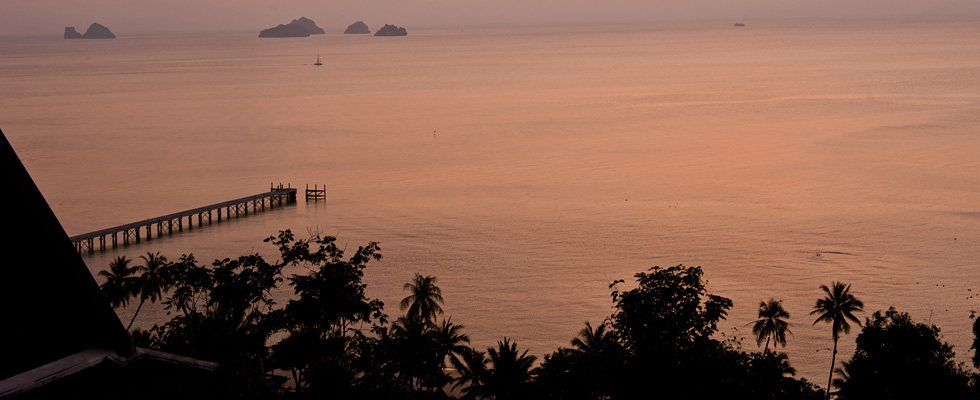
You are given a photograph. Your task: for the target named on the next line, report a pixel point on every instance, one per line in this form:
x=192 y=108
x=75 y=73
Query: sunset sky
x=32 y=17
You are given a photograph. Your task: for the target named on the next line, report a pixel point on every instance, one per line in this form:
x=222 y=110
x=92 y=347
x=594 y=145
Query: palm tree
x=415 y=350
x=152 y=282
x=471 y=365
x=598 y=351
x=594 y=340
x=771 y=326
x=450 y=338
x=120 y=282
x=423 y=302
x=838 y=306
x=510 y=372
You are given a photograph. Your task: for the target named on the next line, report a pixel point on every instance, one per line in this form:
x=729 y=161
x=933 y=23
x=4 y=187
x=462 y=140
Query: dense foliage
x=976 y=343
x=330 y=340
x=661 y=342
x=897 y=358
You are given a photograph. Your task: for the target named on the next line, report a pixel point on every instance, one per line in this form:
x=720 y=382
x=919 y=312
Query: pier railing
x=171 y=223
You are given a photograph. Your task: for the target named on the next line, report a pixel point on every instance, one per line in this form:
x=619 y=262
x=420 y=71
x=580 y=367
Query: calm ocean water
x=529 y=168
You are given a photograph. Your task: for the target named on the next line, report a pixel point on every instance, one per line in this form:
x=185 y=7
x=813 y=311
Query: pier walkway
x=170 y=223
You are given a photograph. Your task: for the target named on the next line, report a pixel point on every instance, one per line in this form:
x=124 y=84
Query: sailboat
x=318 y=62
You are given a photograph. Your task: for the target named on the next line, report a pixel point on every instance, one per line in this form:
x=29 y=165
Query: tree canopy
x=897 y=358
x=330 y=340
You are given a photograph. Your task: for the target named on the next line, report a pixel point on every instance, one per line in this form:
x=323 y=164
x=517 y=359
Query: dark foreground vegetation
x=330 y=341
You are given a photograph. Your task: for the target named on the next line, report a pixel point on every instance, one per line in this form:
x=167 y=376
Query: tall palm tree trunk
x=766 y=349
x=135 y=314
x=833 y=360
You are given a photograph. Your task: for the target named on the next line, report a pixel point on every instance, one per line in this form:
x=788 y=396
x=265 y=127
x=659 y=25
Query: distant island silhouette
x=739 y=24
x=95 y=31
x=301 y=27
x=358 y=28
x=391 y=30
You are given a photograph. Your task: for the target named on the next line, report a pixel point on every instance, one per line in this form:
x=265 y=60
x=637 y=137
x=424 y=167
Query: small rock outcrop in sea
x=358 y=27
x=391 y=30
x=98 y=31
x=71 y=33
x=301 y=27
x=95 y=31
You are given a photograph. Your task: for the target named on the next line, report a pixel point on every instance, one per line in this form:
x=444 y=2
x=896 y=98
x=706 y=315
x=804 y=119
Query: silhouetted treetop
x=771 y=325
x=424 y=299
x=836 y=307
x=897 y=358
x=669 y=310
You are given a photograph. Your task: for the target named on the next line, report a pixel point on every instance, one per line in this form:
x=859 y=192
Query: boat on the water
x=318 y=62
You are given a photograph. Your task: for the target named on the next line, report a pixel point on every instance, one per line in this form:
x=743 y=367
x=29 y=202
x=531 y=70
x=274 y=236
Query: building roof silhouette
x=59 y=334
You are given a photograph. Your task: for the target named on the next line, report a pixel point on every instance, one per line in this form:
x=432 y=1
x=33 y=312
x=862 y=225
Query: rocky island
x=95 y=31
x=391 y=30
x=71 y=33
x=358 y=28
x=301 y=27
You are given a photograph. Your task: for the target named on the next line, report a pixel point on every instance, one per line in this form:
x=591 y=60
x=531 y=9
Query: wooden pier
x=277 y=196
x=316 y=193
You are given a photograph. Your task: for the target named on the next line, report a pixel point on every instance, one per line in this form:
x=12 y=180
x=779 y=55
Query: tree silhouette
x=296 y=353
x=897 y=358
x=152 y=281
x=976 y=343
x=415 y=351
x=225 y=315
x=120 y=284
x=668 y=313
x=424 y=298
x=838 y=306
x=335 y=342
x=596 y=340
x=509 y=374
x=421 y=350
x=598 y=356
x=471 y=366
x=326 y=321
x=450 y=340
x=771 y=325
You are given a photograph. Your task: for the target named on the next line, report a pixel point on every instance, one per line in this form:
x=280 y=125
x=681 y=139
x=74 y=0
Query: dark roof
x=59 y=337
x=52 y=305
x=104 y=374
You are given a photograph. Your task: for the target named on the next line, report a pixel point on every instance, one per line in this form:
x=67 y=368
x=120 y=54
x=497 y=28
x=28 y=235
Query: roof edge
x=78 y=362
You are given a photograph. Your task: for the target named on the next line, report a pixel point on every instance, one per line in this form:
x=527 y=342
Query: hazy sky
x=122 y=16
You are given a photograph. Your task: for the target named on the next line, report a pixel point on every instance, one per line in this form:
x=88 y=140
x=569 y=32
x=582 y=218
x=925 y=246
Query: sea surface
x=528 y=168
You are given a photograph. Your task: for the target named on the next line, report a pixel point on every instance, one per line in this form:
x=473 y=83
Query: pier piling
x=316 y=193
